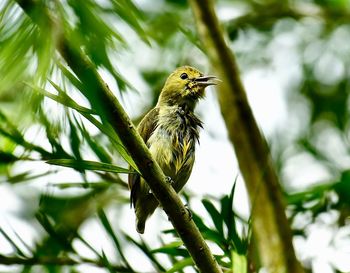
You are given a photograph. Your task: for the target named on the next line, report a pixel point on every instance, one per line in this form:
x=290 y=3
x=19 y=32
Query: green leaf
x=228 y=213
x=309 y=194
x=215 y=215
x=239 y=262
x=6 y=158
x=88 y=165
x=109 y=229
x=172 y=249
x=145 y=249
x=71 y=77
x=85 y=185
x=22 y=240
x=18 y=34
x=175 y=244
x=85 y=112
x=75 y=142
x=14 y=245
x=25 y=176
x=192 y=37
x=237 y=242
x=78 y=236
x=10 y=131
x=207 y=232
x=199 y=222
x=53 y=137
x=229 y=217
x=231 y=224
x=107 y=263
x=98 y=149
x=181 y=264
x=91 y=23
x=342 y=188
x=60 y=241
x=129 y=12
x=62 y=98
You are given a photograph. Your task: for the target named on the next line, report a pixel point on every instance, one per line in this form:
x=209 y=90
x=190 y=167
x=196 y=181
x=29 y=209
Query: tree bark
x=270 y=225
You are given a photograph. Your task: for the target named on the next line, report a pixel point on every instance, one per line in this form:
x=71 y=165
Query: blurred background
x=294 y=62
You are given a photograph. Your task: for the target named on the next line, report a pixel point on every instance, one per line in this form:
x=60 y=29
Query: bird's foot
x=169 y=180
x=188 y=211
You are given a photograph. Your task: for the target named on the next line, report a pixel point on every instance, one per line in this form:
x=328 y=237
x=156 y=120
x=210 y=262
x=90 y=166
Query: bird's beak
x=207 y=80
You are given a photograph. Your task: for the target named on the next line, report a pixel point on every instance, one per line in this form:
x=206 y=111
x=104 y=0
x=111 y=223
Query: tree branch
x=270 y=225
x=108 y=107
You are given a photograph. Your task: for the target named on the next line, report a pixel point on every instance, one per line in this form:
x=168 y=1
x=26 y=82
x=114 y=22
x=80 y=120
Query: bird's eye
x=184 y=76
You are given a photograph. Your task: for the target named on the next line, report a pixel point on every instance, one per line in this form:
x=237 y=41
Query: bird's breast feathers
x=172 y=143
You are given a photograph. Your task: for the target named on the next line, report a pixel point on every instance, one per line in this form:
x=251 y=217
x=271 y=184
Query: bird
x=170 y=130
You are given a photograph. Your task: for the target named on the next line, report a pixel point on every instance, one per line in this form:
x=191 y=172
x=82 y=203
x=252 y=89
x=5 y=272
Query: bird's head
x=185 y=86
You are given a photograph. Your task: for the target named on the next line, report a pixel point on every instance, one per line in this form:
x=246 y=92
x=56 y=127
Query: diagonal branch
x=270 y=225
x=109 y=109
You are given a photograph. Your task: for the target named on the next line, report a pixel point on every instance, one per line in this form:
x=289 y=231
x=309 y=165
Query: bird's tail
x=144 y=208
x=140 y=225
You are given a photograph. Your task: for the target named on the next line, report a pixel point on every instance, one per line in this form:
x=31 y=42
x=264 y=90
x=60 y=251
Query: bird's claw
x=169 y=180
x=188 y=211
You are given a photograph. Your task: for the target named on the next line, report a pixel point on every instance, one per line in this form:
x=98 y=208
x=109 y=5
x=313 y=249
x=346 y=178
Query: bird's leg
x=169 y=180
x=188 y=211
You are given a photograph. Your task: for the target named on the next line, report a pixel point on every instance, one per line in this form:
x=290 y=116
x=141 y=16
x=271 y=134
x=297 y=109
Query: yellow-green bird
x=170 y=130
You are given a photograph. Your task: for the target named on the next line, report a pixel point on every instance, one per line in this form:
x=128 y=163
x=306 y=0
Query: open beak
x=207 y=80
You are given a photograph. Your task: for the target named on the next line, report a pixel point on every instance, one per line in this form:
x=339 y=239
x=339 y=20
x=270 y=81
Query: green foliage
x=88 y=165
x=109 y=229
x=224 y=234
x=35 y=80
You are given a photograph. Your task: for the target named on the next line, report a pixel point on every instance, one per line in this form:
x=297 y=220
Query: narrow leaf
x=88 y=165
x=25 y=176
x=172 y=249
x=85 y=112
x=239 y=262
x=62 y=98
x=8 y=238
x=109 y=229
x=145 y=249
x=98 y=149
x=215 y=215
x=107 y=263
x=181 y=264
x=6 y=158
x=71 y=77
x=175 y=244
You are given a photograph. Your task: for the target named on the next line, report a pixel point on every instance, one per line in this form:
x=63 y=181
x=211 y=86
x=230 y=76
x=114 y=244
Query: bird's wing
x=146 y=127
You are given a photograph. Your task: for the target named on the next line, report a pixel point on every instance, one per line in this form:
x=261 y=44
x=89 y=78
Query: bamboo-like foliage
x=48 y=125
